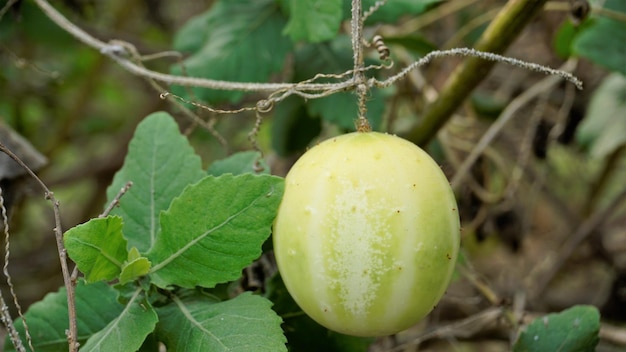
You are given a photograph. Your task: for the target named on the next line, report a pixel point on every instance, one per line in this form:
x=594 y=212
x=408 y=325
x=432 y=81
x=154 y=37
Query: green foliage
x=36 y=27
x=604 y=128
x=178 y=233
x=415 y=43
x=160 y=163
x=97 y=247
x=573 y=330
x=198 y=323
x=293 y=128
x=604 y=41
x=240 y=163
x=317 y=337
x=135 y=267
x=565 y=36
x=96 y=306
x=393 y=9
x=214 y=229
x=235 y=40
x=600 y=39
x=314 y=20
x=340 y=108
x=128 y=330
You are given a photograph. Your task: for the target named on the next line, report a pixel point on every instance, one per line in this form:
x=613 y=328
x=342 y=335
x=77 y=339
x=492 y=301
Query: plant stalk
x=496 y=38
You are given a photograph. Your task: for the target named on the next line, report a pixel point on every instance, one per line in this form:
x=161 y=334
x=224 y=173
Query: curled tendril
x=264 y=105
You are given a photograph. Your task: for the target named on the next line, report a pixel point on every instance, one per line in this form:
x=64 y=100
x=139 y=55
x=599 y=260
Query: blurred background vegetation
x=532 y=189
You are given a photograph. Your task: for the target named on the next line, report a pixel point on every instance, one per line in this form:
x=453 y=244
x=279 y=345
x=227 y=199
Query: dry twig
x=72 y=333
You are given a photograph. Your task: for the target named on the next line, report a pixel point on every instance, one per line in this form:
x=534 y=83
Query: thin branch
x=4 y=308
x=373 y=9
x=120 y=55
x=445 y=9
x=524 y=152
x=356 y=28
x=116 y=200
x=505 y=117
x=463 y=328
x=481 y=55
x=167 y=95
x=497 y=37
x=6 y=319
x=5 y=270
x=474 y=23
x=572 y=242
x=117 y=51
x=598 y=186
x=6 y=7
x=174 y=99
x=72 y=333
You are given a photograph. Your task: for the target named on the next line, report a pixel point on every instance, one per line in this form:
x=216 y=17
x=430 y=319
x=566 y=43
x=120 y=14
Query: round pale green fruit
x=367 y=233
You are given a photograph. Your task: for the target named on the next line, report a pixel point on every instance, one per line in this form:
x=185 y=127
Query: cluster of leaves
x=601 y=40
x=159 y=267
x=162 y=266
x=178 y=230
x=250 y=40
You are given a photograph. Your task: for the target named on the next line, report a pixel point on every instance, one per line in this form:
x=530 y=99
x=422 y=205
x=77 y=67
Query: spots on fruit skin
x=359 y=241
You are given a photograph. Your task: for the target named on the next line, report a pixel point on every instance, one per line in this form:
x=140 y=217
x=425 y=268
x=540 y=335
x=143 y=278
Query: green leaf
x=604 y=128
x=293 y=128
x=96 y=306
x=565 y=36
x=242 y=42
x=243 y=324
x=316 y=337
x=415 y=43
x=160 y=163
x=392 y=10
x=192 y=36
x=37 y=28
x=314 y=20
x=214 y=229
x=133 y=254
x=573 y=330
x=97 y=247
x=135 y=268
x=128 y=330
x=340 y=108
x=604 y=42
x=240 y=163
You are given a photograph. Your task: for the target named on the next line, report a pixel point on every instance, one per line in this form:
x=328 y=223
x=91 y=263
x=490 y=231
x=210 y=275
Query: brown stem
x=362 y=125
x=583 y=231
x=72 y=332
x=608 y=170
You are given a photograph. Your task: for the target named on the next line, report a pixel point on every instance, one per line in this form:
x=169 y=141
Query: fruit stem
x=362 y=125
